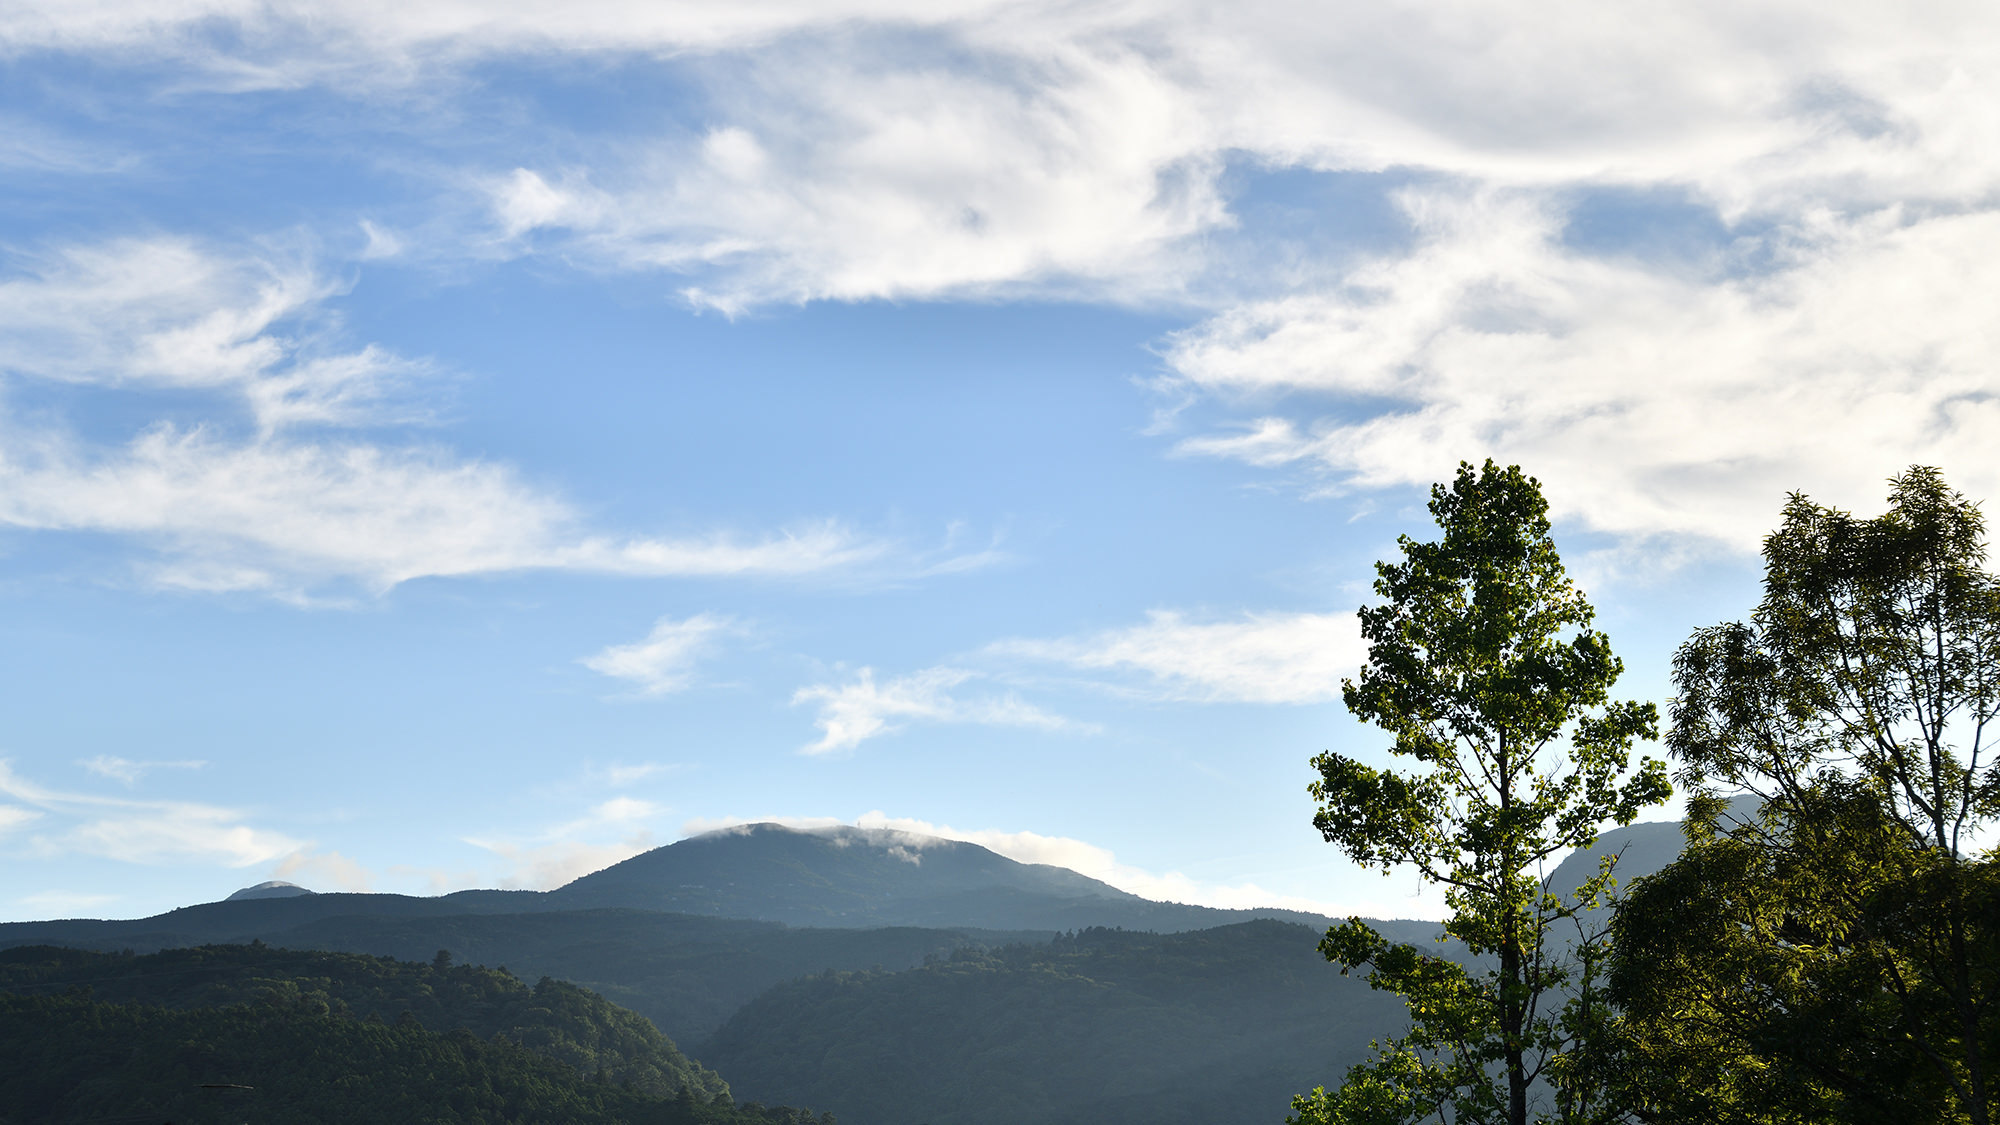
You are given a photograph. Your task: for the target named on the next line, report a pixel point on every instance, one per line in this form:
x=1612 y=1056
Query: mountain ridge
x=841 y=877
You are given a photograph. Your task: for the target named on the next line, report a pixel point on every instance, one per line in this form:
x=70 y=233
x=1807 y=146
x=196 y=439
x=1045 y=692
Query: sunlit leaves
x=1831 y=955
x=1484 y=669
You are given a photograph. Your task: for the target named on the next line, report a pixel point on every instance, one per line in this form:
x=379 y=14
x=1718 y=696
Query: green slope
x=1105 y=1027
x=73 y=1059
x=554 y=1020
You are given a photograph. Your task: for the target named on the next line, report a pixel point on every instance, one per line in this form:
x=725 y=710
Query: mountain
x=877 y=877
x=1022 y=992
x=1641 y=848
x=838 y=877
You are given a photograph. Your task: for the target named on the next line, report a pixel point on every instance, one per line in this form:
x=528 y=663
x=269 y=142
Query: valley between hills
x=761 y=974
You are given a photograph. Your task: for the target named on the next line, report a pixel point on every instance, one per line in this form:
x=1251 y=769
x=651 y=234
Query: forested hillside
x=1103 y=1026
x=70 y=1058
x=553 y=1019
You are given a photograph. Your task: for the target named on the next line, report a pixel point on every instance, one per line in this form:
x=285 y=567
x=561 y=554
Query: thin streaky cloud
x=286 y=516
x=132 y=830
x=131 y=772
x=850 y=713
x=1283 y=658
x=169 y=312
x=663 y=661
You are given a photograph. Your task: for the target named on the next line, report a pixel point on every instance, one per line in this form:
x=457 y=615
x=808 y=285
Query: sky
x=462 y=444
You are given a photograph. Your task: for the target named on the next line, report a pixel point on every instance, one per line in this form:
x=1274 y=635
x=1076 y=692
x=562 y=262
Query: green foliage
x=1836 y=955
x=554 y=1019
x=1482 y=665
x=285 y=1055
x=1104 y=1027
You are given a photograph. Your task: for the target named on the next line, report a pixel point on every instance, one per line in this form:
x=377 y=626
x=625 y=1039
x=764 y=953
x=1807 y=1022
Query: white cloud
x=167 y=312
x=1262 y=658
x=856 y=175
x=884 y=148
x=14 y=816
x=664 y=661
x=129 y=771
x=280 y=516
x=138 y=831
x=224 y=506
x=854 y=712
x=1649 y=404
x=879 y=148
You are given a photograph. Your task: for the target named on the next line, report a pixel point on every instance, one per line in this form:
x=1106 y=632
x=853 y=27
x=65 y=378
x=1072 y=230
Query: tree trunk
x=1512 y=1015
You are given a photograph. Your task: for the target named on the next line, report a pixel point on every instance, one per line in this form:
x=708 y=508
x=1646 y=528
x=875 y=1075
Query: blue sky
x=455 y=444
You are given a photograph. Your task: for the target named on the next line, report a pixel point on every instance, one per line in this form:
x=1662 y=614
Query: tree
x=1481 y=661
x=1832 y=951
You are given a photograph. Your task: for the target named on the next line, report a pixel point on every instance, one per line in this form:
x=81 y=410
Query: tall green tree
x=1484 y=668
x=1835 y=953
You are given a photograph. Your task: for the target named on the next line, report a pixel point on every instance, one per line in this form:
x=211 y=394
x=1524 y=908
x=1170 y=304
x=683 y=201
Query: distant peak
x=275 y=888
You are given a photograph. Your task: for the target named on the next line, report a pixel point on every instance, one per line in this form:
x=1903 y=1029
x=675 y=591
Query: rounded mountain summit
x=846 y=876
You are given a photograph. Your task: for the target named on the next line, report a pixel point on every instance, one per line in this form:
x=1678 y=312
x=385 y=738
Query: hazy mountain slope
x=1208 y=1028
x=1642 y=848
x=554 y=1019
x=684 y=972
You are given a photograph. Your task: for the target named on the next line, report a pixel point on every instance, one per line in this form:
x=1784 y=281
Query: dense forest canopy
x=230 y=1033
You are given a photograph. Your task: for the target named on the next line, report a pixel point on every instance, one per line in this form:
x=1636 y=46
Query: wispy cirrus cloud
x=1255 y=658
x=664 y=661
x=168 y=312
x=851 y=713
x=1845 y=157
x=132 y=830
x=291 y=488
x=620 y=774
x=283 y=517
x=130 y=772
x=879 y=148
